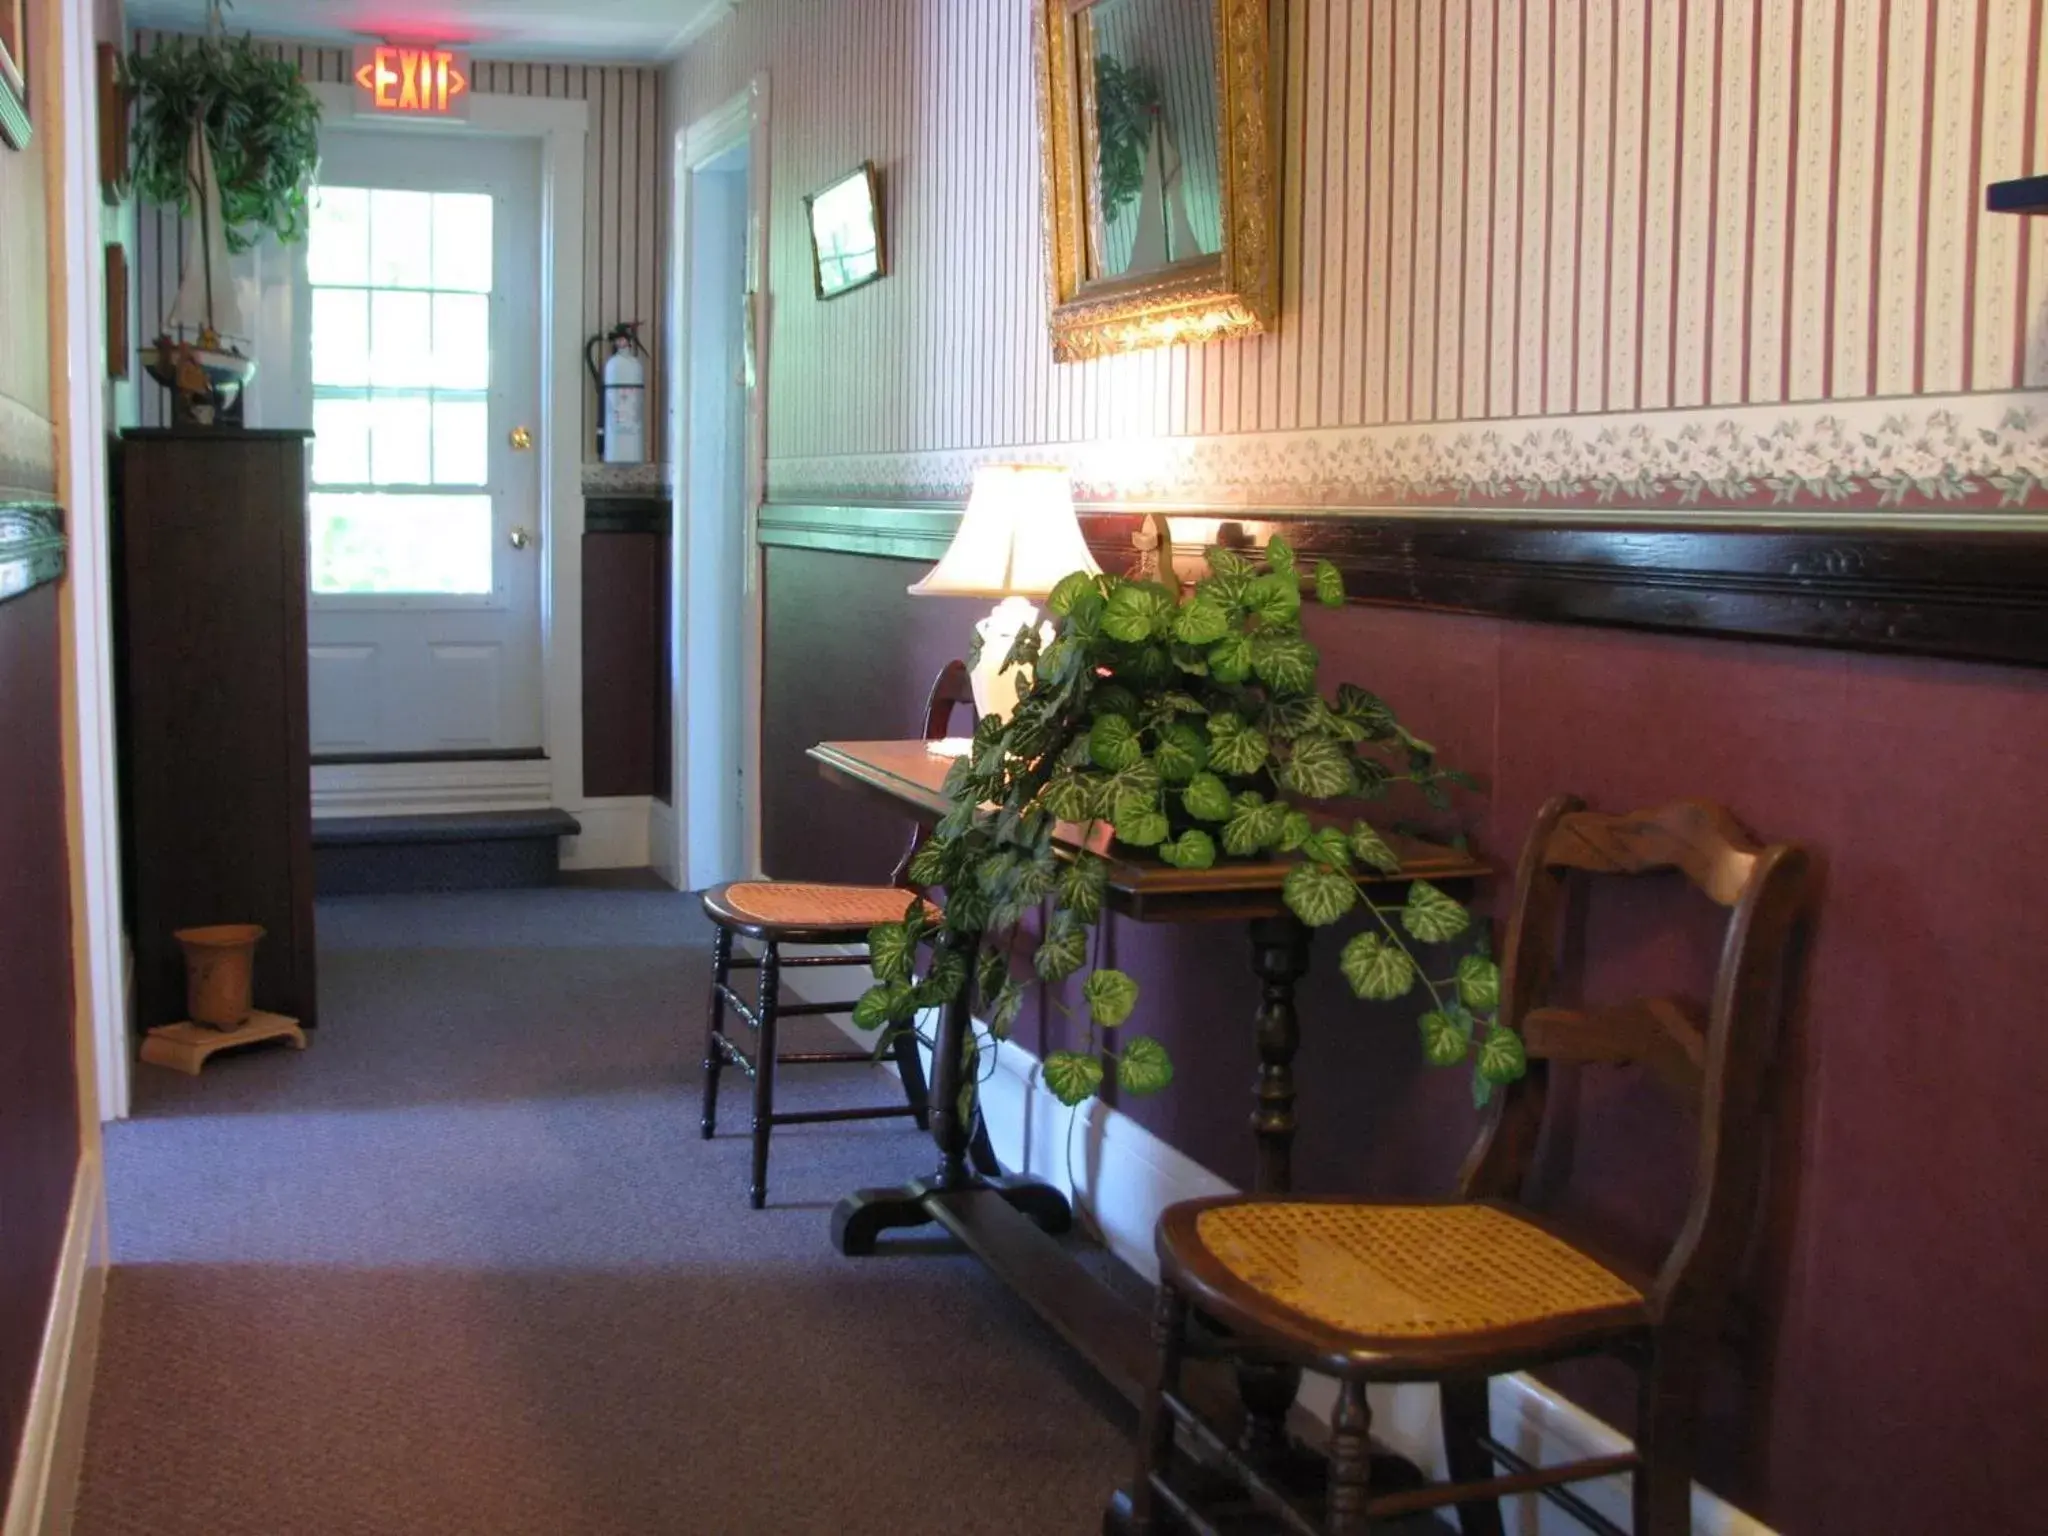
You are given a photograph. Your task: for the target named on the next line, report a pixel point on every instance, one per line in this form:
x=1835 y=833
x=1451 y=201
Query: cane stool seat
x=1398 y=1272
x=795 y=904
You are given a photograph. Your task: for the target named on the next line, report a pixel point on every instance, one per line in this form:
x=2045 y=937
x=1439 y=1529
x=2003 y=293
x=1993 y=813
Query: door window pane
x=387 y=544
x=401 y=239
x=341 y=441
x=401 y=339
x=462 y=241
x=341 y=336
x=338 y=237
x=462 y=341
x=401 y=441
x=462 y=442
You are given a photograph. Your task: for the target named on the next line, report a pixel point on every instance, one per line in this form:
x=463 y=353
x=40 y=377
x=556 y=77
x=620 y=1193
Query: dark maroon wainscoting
x=625 y=663
x=38 y=1086
x=1882 y=1373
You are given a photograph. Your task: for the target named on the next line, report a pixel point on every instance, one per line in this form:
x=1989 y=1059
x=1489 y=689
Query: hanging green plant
x=1127 y=103
x=1192 y=724
x=262 y=124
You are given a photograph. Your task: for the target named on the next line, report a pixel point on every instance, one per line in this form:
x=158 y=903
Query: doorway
x=720 y=372
x=423 y=293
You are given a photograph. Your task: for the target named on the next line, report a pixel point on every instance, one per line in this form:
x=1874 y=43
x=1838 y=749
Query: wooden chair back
x=1719 y=1065
x=951 y=692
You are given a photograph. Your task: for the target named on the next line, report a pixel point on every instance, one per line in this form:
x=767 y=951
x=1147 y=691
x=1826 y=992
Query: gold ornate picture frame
x=14 y=43
x=1228 y=292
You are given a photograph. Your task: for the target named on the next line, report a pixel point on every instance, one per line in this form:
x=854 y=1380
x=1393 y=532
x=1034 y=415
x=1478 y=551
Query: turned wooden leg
x=766 y=1000
x=1350 y=1461
x=1667 y=1422
x=1280 y=948
x=1155 y=1427
x=1466 y=1418
x=714 y=1013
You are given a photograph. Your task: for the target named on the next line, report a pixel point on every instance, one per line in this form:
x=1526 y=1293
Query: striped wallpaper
x=625 y=197
x=1492 y=209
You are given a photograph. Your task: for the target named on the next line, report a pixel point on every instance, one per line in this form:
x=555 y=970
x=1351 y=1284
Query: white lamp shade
x=1017 y=538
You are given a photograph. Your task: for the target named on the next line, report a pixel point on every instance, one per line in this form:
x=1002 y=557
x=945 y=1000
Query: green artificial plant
x=1127 y=103
x=262 y=125
x=1193 y=726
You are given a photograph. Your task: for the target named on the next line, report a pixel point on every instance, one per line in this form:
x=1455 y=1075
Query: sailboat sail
x=207 y=300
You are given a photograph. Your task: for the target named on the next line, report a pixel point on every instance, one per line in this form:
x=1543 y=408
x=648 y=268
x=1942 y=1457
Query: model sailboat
x=203 y=354
x=1163 y=233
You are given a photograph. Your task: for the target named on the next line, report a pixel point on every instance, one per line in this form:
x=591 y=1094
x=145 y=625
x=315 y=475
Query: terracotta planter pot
x=220 y=965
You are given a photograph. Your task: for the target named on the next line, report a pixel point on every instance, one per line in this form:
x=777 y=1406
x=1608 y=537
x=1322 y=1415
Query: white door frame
x=742 y=120
x=561 y=126
x=104 y=1047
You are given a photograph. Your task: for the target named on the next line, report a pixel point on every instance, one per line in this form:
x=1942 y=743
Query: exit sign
x=411 y=80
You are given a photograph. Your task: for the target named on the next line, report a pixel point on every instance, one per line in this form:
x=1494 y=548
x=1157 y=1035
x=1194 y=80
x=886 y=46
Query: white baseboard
x=1120 y=1177
x=421 y=789
x=45 y=1487
x=615 y=833
x=662 y=843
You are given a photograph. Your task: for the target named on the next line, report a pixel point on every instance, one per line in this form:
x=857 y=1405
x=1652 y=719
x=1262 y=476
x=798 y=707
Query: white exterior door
x=423 y=288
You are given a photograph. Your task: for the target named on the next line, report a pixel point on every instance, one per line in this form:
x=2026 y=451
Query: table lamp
x=1016 y=539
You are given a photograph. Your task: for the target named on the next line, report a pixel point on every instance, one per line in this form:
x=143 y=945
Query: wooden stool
x=1458 y=1293
x=778 y=912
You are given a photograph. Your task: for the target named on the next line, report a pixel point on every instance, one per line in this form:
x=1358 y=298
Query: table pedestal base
x=864 y=1215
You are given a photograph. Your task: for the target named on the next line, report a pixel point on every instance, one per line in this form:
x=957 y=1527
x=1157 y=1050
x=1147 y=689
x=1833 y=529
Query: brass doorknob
x=520 y=538
x=521 y=439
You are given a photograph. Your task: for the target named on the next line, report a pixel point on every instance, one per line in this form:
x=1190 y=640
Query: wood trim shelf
x=1966 y=596
x=32 y=546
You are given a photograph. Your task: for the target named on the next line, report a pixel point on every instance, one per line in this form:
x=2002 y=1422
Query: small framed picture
x=846 y=232
x=14 y=122
x=116 y=257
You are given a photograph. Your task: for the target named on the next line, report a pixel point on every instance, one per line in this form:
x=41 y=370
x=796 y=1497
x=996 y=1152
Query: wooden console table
x=1009 y=1221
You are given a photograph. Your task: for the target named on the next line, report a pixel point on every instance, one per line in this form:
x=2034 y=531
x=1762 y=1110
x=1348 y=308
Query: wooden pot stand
x=187 y=1047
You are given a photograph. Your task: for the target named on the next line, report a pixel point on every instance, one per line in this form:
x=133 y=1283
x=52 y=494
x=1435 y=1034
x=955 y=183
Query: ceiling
x=616 y=30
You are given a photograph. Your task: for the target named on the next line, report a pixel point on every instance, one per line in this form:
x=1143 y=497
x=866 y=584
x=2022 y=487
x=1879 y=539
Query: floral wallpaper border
x=1974 y=457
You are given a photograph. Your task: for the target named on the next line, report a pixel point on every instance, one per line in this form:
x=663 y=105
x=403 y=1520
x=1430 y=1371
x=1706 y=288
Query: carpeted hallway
x=465 y=1267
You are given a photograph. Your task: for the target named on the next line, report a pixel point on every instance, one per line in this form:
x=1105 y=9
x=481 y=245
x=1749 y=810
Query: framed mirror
x=1156 y=120
x=846 y=233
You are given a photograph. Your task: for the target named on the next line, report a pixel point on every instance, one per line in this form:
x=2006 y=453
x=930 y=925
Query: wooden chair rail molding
x=1964 y=595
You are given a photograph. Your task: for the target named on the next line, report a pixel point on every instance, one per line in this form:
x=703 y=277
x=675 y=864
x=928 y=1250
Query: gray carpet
x=465 y=1267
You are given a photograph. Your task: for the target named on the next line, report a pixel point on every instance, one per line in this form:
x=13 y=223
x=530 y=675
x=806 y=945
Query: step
x=443 y=851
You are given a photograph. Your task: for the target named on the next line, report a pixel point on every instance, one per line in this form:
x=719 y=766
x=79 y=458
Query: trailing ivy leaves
x=1329 y=585
x=1378 y=971
x=1318 y=894
x=1234 y=747
x=1113 y=743
x=1193 y=849
x=1443 y=1043
x=1110 y=996
x=1371 y=850
x=1189 y=729
x=1431 y=916
x=1142 y=1066
x=1138 y=610
x=1072 y=1076
x=1478 y=983
x=1319 y=769
x=1063 y=950
x=1207 y=798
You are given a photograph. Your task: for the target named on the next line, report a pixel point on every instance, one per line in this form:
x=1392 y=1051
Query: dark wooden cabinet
x=210 y=616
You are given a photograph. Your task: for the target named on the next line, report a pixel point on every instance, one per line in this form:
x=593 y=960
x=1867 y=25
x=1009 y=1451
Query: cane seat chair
x=1462 y=1291
x=779 y=912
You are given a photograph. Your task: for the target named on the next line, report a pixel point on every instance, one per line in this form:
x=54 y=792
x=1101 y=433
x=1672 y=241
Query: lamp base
x=995 y=690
